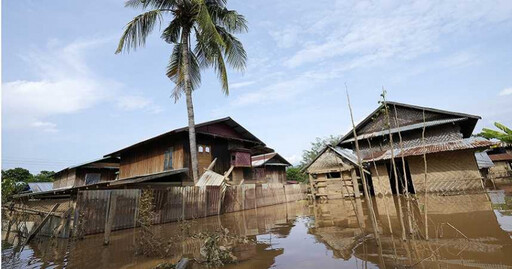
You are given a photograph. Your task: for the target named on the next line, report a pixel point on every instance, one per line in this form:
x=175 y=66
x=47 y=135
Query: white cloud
x=241 y=84
x=45 y=126
x=294 y=159
x=507 y=91
x=286 y=37
x=363 y=32
x=277 y=92
x=63 y=84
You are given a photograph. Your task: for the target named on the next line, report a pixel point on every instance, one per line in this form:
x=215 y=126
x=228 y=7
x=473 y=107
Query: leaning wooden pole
x=363 y=177
x=393 y=163
x=404 y=171
x=426 y=175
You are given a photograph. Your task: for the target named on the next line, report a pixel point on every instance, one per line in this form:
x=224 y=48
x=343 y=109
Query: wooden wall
x=447 y=171
x=500 y=169
x=149 y=158
x=106 y=175
x=178 y=203
x=64 y=179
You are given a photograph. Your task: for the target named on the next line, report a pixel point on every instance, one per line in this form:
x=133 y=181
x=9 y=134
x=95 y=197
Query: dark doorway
x=401 y=177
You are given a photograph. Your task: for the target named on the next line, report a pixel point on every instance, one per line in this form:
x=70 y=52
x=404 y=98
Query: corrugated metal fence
x=178 y=203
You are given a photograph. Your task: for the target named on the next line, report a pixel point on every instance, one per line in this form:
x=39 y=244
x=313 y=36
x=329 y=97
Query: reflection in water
x=465 y=230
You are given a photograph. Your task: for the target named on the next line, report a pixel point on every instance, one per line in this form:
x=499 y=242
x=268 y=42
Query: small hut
x=270 y=167
x=333 y=174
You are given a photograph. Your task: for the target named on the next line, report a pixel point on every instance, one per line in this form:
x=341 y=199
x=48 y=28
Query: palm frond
x=229 y=19
x=176 y=71
x=503 y=128
x=206 y=24
x=138 y=29
x=234 y=50
x=155 y=4
x=171 y=33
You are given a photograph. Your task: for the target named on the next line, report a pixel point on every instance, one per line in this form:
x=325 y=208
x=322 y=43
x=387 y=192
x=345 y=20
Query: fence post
x=110 y=217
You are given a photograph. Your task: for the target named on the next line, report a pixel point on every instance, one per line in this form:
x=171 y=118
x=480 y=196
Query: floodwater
x=472 y=230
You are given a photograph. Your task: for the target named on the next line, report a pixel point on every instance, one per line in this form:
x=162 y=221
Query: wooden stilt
x=38 y=228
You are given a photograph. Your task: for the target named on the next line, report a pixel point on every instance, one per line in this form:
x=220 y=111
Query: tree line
x=15 y=180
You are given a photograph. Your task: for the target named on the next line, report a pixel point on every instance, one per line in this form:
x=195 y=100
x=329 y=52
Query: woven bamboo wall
x=447 y=171
x=384 y=186
x=500 y=169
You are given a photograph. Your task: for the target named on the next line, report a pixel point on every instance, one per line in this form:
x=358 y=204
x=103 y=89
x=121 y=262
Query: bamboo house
x=444 y=137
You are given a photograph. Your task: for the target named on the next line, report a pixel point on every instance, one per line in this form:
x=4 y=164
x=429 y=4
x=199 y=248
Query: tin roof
x=210 y=178
x=404 y=129
x=483 y=160
x=471 y=120
x=262 y=159
x=501 y=157
x=466 y=143
x=40 y=186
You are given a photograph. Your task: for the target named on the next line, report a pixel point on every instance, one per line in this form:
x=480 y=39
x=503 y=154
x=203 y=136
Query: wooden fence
x=176 y=203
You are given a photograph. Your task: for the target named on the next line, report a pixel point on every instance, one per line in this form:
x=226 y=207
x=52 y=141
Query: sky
x=67 y=98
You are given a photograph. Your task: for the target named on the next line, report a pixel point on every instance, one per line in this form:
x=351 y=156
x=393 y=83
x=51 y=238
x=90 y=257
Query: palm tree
x=210 y=25
x=505 y=135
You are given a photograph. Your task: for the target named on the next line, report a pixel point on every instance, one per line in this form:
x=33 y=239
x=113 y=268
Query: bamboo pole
x=386 y=111
x=404 y=171
x=362 y=175
x=426 y=175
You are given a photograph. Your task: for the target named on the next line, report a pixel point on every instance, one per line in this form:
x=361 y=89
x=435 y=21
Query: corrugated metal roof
x=40 y=186
x=262 y=159
x=467 y=143
x=501 y=157
x=483 y=160
x=144 y=178
x=210 y=178
x=347 y=154
x=404 y=128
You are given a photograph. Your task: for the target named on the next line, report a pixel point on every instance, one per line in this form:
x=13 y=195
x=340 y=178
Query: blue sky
x=67 y=98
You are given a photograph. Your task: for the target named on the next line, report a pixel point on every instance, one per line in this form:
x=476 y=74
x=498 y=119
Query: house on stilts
x=445 y=137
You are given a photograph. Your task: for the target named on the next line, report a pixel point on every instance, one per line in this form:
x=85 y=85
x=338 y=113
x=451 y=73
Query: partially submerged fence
x=100 y=210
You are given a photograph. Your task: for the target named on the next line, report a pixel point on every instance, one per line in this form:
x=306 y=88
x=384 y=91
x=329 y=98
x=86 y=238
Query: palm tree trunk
x=190 y=107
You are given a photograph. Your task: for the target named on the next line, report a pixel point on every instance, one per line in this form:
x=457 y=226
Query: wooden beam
x=110 y=217
x=357 y=194
x=38 y=228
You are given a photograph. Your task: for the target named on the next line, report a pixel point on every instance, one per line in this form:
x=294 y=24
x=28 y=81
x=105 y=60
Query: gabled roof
x=263 y=159
x=342 y=152
x=246 y=135
x=469 y=119
x=466 y=143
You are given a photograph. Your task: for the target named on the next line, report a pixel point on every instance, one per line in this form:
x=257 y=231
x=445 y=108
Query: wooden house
x=102 y=170
x=448 y=145
x=502 y=168
x=166 y=157
x=269 y=167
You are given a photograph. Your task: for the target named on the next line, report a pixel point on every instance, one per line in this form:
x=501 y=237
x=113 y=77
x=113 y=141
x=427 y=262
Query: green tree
x=13 y=181
x=294 y=173
x=17 y=174
x=44 y=176
x=316 y=146
x=207 y=22
x=504 y=135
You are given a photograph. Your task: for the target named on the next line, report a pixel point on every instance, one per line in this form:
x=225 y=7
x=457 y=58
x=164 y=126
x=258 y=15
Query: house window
x=207 y=149
x=91 y=178
x=201 y=149
x=168 y=159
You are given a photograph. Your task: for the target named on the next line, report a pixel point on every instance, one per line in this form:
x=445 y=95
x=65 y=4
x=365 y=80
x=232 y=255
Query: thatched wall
x=381 y=184
x=447 y=171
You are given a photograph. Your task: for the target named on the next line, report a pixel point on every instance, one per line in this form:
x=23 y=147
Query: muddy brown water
x=473 y=230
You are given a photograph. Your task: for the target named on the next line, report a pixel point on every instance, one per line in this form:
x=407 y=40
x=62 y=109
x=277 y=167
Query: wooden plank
x=38 y=228
x=110 y=219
